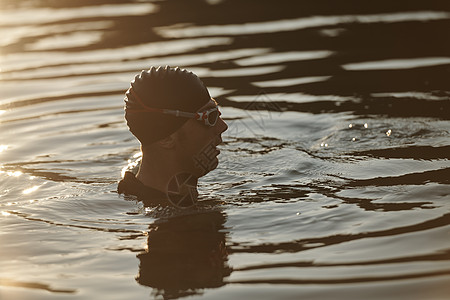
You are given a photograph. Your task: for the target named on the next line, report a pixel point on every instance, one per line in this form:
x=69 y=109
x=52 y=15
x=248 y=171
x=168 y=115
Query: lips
x=218 y=141
x=217 y=150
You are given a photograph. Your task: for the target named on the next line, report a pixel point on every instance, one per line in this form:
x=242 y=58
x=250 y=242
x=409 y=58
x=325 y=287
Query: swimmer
x=178 y=124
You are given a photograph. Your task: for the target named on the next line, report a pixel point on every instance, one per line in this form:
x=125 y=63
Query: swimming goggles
x=209 y=117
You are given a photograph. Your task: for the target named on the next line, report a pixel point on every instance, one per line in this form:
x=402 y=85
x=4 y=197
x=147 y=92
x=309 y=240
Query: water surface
x=334 y=174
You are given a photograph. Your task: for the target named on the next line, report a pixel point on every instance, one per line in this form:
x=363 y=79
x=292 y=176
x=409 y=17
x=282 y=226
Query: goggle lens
x=213 y=116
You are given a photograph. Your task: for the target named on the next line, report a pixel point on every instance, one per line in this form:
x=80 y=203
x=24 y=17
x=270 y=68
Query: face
x=197 y=144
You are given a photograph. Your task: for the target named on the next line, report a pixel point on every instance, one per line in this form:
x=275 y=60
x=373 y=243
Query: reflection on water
x=297 y=24
x=334 y=174
x=185 y=254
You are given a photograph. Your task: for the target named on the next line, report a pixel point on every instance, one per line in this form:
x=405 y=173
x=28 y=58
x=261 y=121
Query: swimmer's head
x=162 y=88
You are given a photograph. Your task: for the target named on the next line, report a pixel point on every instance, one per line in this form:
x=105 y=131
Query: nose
x=221 y=126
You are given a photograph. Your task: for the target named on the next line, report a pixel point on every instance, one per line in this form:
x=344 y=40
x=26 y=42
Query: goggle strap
x=141 y=103
x=204 y=116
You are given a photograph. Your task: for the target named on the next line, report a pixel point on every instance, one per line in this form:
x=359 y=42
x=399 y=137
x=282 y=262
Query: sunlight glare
x=3 y=147
x=30 y=190
x=14 y=173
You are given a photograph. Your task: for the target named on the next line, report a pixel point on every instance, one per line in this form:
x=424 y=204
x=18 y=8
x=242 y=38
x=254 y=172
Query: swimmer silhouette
x=169 y=110
x=185 y=254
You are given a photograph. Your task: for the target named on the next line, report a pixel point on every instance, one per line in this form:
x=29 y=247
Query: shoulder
x=130 y=185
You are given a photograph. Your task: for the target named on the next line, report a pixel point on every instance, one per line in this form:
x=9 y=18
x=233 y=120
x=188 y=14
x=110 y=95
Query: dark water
x=334 y=174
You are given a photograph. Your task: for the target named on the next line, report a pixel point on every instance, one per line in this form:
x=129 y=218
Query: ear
x=167 y=142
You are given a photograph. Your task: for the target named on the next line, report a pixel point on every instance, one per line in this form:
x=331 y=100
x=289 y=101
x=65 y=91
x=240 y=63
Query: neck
x=156 y=171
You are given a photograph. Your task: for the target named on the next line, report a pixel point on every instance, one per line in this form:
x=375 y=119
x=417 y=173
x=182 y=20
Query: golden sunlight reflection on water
x=45 y=15
x=11 y=173
x=3 y=148
x=177 y=31
x=31 y=189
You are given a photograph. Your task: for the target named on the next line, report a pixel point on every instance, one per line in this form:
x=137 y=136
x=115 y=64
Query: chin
x=202 y=172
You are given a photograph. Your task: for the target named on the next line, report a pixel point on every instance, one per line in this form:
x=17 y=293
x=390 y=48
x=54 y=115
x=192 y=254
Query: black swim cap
x=164 y=88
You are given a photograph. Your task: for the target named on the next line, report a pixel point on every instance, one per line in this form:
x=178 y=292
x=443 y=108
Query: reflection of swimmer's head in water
x=185 y=254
